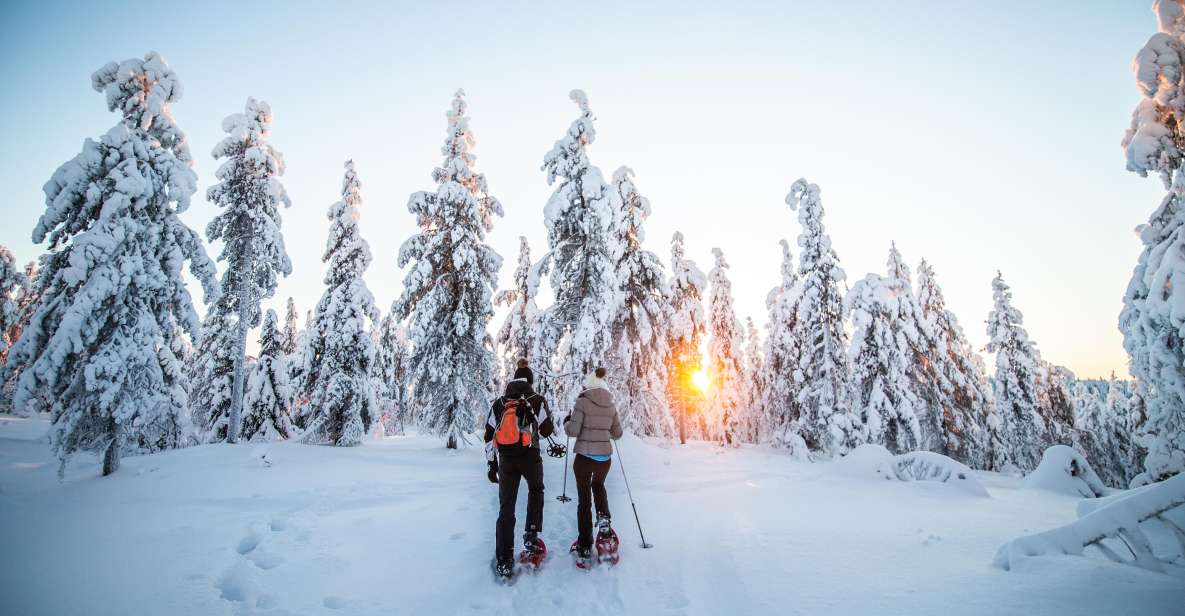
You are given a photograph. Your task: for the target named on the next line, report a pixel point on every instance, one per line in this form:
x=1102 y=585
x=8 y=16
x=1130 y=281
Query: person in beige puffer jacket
x=594 y=422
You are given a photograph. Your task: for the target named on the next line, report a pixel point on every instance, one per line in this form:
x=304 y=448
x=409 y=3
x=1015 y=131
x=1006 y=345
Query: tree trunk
x=111 y=456
x=236 y=396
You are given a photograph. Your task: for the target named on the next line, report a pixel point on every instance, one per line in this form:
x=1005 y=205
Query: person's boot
x=504 y=569
x=604 y=526
x=531 y=542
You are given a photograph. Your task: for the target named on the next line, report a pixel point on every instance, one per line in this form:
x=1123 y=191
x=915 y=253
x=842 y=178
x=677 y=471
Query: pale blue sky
x=980 y=135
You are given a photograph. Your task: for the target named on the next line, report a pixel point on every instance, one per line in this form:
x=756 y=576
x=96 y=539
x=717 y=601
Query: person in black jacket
x=508 y=463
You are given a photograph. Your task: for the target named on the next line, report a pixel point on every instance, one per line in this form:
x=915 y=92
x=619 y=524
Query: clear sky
x=980 y=135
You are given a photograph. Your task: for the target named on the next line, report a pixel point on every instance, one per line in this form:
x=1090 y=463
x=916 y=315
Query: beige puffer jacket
x=593 y=422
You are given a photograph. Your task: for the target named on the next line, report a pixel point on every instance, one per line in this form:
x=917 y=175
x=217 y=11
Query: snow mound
x=867 y=461
x=930 y=466
x=1119 y=521
x=1063 y=469
x=876 y=461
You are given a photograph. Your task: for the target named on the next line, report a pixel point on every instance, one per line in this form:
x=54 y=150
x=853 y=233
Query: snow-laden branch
x=1119 y=520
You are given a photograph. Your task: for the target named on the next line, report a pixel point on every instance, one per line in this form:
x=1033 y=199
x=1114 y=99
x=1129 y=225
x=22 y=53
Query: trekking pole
x=564 y=498
x=620 y=463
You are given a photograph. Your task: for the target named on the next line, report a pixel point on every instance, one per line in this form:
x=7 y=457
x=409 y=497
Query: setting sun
x=700 y=379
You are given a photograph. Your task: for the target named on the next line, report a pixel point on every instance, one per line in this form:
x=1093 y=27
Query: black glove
x=493 y=473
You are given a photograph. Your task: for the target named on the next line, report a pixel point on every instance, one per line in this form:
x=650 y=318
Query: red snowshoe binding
x=582 y=556
x=607 y=543
x=534 y=552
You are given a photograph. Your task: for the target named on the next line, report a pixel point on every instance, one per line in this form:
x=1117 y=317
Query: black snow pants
x=527 y=466
x=590 y=486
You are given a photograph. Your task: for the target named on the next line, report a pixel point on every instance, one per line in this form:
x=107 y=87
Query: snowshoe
x=607 y=544
x=503 y=571
x=534 y=552
x=582 y=556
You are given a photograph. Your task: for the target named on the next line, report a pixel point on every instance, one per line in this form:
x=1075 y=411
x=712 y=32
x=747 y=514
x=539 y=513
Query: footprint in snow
x=279 y=523
x=265 y=560
x=456 y=536
x=334 y=602
x=249 y=543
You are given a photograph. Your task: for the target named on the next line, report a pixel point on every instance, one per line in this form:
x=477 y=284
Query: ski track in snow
x=401 y=526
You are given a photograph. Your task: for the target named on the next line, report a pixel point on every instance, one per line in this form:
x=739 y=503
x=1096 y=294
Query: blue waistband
x=596 y=458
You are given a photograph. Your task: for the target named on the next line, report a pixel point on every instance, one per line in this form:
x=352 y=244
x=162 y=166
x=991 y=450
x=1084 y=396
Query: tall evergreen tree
x=686 y=331
x=581 y=217
x=881 y=357
x=390 y=375
x=1015 y=384
x=754 y=428
x=339 y=350
x=783 y=375
x=12 y=281
x=26 y=303
x=725 y=348
x=964 y=396
x=638 y=356
x=291 y=334
x=1054 y=402
x=827 y=421
x=268 y=397
x=447 y=294
x=99 y=343
x=925 y=382
x=250 y=195
x=1153 y=330
x=210 y=371
x=516 y=338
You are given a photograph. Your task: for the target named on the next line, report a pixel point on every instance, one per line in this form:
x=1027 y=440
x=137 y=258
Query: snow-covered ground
x=402 y=526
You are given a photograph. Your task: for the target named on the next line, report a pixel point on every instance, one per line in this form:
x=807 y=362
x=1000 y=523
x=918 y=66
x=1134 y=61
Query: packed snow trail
x=402 y=526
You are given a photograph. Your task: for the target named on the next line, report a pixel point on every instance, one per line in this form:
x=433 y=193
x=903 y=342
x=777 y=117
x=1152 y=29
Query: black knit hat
x=525 y=373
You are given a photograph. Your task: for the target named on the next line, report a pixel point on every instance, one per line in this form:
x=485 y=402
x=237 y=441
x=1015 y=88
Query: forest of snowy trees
x=102 y=331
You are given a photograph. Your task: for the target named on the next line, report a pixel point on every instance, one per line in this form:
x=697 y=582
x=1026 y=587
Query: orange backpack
x=510 y=427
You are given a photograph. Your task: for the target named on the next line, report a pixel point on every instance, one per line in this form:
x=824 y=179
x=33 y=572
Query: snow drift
x=1064 y=470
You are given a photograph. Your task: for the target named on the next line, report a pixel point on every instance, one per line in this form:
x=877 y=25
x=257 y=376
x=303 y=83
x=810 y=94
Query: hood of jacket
x=519 y=388
x=598 y=396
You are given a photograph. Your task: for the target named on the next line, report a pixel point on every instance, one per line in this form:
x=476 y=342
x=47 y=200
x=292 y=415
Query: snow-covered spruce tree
x=1097 y=435
x=1015 y=383
x=637 y=358
x=99 y=343
x=1153 y=328
x=754 y=429
x=390 y=375
x=826 y=418
x=926 y=383
x=339 y=349
x=268 y=396
x=783 y=377
x=447 y=293
x=686 y=331
x=964 y=394
x=12 y=281
x=1054 y=402
x=881 y=358
x=1120 y=430
x=290 y=336
x=210 y=371
x=298 y=363
x=516 y=338
x=581 y=216
x=725 y=349
x=250 y=195
x=26 y=303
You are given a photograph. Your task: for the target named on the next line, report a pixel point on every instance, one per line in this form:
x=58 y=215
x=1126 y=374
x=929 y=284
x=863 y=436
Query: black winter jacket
x=543 y=426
